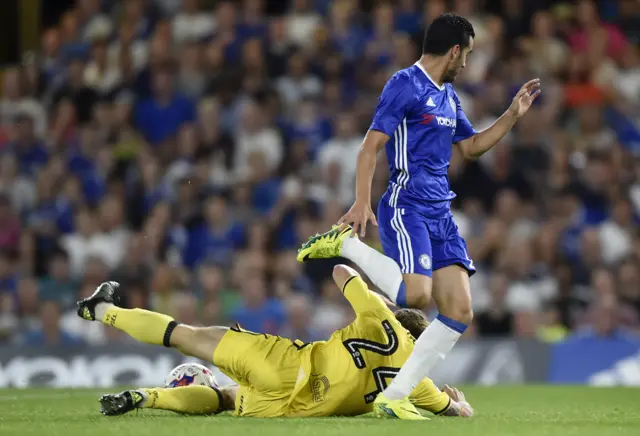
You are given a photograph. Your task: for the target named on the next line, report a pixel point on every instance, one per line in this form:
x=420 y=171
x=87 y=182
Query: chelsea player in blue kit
x=418 y=119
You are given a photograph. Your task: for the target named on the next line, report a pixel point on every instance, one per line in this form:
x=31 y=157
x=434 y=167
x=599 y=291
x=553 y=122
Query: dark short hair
x=446 y=31
x=413 y=320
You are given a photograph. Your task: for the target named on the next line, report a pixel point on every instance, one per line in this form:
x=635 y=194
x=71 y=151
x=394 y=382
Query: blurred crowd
x=185 y=148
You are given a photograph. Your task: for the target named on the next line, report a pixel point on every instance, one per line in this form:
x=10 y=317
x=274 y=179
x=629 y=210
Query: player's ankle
x=101 y=310
x=392 y=394
x=350 y=248
x=144 y=393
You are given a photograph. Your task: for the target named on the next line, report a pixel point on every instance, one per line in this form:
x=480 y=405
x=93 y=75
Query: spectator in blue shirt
x=30 y=151
x=257 y=312
x=8 y=278
x=299 y=311
x=53 y=214
x=408 y=18
x=58 y=285
x=217 y=238
x=50 y=333
x=161 y=116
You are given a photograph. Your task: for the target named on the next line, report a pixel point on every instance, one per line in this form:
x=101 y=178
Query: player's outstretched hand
x=358 y=216
x=525 y=97
x=463 y=408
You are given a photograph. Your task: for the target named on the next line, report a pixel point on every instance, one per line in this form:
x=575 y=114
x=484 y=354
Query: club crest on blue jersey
x=425 y=261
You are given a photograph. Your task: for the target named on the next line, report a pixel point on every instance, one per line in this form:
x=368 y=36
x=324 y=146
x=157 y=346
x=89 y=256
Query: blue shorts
x=421 y=245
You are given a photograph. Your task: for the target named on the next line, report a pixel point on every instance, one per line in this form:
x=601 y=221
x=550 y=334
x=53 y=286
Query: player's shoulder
x=404 y=77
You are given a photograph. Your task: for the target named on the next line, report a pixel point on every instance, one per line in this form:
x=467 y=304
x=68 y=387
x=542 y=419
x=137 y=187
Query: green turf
x=535 y=411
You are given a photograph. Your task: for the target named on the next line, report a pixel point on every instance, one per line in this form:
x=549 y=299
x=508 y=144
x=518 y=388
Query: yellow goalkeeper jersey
x=343 y=376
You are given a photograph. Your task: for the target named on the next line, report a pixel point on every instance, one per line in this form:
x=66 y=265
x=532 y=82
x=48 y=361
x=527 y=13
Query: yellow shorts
x=266 y=368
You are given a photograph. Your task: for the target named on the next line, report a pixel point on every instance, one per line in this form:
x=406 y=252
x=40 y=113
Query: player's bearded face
x=457 y=62
x=454 y=67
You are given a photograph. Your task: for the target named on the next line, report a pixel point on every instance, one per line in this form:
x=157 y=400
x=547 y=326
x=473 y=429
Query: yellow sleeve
x=360 y=297
x=427 y=396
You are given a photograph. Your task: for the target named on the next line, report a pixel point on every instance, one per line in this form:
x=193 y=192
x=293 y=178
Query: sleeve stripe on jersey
x=445 y=409
x=347 y=282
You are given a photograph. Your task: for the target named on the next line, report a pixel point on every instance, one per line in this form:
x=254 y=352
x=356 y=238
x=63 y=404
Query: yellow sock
x=142 y=325
x=194 y=399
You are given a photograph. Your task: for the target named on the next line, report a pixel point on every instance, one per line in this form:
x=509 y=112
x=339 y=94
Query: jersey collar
x=440 y=87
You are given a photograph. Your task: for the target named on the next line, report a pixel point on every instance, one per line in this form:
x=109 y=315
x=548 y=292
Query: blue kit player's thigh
x=405 y=239
x=449 y=248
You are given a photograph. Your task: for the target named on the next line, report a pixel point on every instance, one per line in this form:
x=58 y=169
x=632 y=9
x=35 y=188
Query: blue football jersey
x=423 y=121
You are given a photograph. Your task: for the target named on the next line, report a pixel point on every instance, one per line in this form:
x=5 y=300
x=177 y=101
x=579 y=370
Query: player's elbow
x=471 y=148
x=342 y=274
x=367 y=152
x=373 y=142
x=466 y=150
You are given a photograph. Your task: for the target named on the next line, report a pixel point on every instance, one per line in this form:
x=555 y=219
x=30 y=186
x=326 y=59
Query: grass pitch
x=513 y=411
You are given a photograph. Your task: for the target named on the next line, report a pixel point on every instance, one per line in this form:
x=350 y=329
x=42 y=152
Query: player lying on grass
x=278 y=376
x=202 y=400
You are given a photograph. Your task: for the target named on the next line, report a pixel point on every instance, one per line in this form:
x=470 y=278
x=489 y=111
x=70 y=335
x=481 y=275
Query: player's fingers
x=374 y=220
x=526 y=88
x=523 y=92
x=450 y=392
x=535 y=94
x=356 y=226
x=342 y=226
x=363 y=227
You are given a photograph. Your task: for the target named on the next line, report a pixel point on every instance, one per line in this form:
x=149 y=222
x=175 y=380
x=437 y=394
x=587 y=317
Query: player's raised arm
x=478 y=144
x=393 y=104
x=361 y=213
x=356 y=291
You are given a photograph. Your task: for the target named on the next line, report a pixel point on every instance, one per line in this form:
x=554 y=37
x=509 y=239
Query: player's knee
x=461 y=312
x=342 y=273
x=465 y=315
x=419 y=299
x=199 y=342
x=418 y=291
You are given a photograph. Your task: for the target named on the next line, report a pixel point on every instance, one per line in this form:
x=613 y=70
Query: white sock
x=145 y=398
x=383 y=271
x=432 y=346
x=101 y=310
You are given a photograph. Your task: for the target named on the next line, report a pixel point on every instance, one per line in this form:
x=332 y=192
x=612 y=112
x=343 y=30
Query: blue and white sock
x=383 y=271
x=432 y=347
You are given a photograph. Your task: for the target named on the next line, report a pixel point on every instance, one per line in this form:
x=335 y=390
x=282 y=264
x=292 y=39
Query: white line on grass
x=52 y=396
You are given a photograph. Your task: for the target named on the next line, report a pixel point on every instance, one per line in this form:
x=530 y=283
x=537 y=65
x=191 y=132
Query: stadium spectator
x=15 y=103
x=258 y=312
x=161 y=116
x=187 y=147
x=9 y=225
x=298 y=315
x=497 y=319
x=191 y=23
x=58 y=285
x=50 y=332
